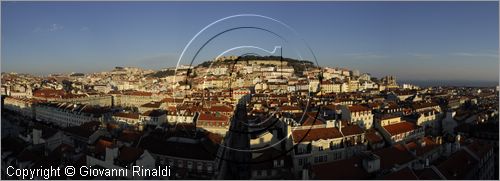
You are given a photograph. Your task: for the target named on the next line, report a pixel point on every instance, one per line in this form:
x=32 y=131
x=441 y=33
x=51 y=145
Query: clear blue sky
x=412 y=40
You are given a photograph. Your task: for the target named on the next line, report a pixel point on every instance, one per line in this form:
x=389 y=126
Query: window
x=278 y=163
x=300 y=162
x=209 y=167
x=199 y=166
x=180 y=164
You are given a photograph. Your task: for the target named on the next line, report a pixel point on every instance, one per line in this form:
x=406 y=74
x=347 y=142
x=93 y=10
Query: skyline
x=443 y=41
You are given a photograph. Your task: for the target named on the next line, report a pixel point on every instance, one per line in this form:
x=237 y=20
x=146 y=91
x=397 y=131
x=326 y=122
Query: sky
x=439 y=41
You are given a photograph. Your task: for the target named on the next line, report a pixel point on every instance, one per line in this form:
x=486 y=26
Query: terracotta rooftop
x=154 y=113
x=373 y=137
x=129 y=155
x=358 y=108
x=84 y=130
x=311 y=119
x=351 y=130
x=152 y=105
x=428 y=174
x=213 y=117
x=403 y=174
x=127 y=115
x=479 y=149
x=391 y=156
x=458 y=165
x=419 y=105
x=401 y=127
x=348 y=169
x=331 y=107
x=221 y=108
x=315 y=134
x=102 y=144
x=168 y=99
x=420 y=150
x=129 y=136
x=49 y=93
x=290 y=108
x=137 y=93
x=202 y=150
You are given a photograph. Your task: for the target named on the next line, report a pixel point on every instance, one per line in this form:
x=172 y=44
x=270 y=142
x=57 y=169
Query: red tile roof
x=138 y=93
x=215 y=138
x=351 y=130
x=331 y=107
x=85 y=130
x=315 y=134
x=358 y=108
x=373 y=137
x=403 y=174
x=127 y=115
x=213 y=117
x=152 y=105
x=129 y=154
x=458 y=165
x=341 y=170
x=154 y=113
x=422 y=104
x=222 y=108
x=168 y=99
x=102 y=144
x=428 y=146
x=290 y=108
x=428 y=174
x=311 y=119
x=129 y=136
x=391 y=156
x=401 y=127
x=49 y=93
x=479 y=149
x=202 y=150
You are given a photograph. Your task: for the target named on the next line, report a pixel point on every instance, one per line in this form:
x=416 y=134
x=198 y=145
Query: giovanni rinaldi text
x=87 y=171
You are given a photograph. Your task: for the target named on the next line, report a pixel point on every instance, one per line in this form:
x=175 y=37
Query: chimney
x=371 y=162
x=340 y=126
x=37 y=135
x=305 y=174
x=111 y=154
x=457 y=143
x=421 y=142
x=439 y=140
x=330 y=123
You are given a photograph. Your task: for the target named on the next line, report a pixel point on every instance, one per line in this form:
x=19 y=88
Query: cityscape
x=242 y=115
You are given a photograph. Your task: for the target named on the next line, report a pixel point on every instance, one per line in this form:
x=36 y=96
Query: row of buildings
x=298 y=123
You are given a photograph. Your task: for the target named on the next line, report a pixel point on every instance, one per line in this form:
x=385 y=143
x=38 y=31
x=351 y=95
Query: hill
x=298 y=65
